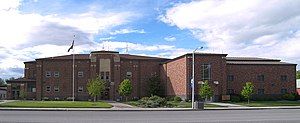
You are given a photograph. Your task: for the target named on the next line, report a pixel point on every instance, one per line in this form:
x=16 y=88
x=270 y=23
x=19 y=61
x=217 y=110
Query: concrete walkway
x=6 y=101
x=226 y=104
x=118 y=105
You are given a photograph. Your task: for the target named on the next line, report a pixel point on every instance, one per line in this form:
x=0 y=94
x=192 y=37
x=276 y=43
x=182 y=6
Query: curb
x=141 y=109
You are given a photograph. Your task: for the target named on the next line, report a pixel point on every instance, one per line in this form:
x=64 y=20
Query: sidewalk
x=6 y=101
x=124 y=107
x=226 y=104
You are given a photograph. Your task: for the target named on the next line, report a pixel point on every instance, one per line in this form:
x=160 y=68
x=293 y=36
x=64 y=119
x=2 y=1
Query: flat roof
x=258 y=63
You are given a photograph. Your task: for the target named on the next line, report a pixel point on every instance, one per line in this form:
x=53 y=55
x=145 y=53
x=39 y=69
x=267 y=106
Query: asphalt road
x=219 y=116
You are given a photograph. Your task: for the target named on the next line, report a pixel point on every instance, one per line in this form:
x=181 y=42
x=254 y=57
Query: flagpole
x=73 y=71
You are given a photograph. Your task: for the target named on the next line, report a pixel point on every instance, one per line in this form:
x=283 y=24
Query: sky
x=33 y=29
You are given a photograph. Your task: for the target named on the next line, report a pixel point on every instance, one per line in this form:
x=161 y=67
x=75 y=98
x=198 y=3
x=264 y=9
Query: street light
x=193 y=77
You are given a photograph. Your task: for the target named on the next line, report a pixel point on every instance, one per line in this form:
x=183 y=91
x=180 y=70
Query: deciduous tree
x=95 y=87
x=205 y=91
x=247 y=91
x=125 y=88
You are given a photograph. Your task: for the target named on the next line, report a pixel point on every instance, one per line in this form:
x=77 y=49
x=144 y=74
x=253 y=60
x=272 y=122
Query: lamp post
x=193 y=77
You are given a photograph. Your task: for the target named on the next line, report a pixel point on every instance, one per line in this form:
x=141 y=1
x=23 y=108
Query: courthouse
x=52 y=77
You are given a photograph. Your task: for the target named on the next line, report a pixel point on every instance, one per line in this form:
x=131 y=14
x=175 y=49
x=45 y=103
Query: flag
x=71 y=46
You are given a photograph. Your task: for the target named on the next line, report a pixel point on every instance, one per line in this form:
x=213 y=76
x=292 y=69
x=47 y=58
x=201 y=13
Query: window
x=80 y=89
x=56 y=89
x=230 y=78
x=48 y=88
x=128 y=74
x=283 y=78
x=93 y=59
x=48 y=74
x=80 y=73
x=31 y=88
x=261 y=91
x=107 y=75
x=261 y=78
x=283 y=91
x=206 y=72
x=102 y=75
x=56 y=74
x=230 y=91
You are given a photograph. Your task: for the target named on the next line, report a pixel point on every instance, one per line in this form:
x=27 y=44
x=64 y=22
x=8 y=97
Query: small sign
x=112 y=83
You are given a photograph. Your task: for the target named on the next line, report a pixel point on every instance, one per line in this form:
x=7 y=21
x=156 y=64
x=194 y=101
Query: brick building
x=51 y=78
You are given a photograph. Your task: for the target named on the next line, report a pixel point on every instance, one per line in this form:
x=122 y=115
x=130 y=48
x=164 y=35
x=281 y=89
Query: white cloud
x=7 y=5
x=170 y=38
x=26 y=36
x=107 y=38
x=126 y=31
x=242 y=28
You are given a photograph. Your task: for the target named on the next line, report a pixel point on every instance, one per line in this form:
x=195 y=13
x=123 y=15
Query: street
x=210 y=116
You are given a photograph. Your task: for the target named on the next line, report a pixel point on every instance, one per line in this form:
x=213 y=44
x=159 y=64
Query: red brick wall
x=30 y=70
x=177 y=78
x=64 y=81
x=272 y=75
x=218 y=72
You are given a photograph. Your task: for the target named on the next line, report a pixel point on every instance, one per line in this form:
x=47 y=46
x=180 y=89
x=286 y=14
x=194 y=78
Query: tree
x=205 y=91
x=2 y=82
x=154 y=86
x=95 y=87
x=125 y=88
x=298 y=74
x=247 y=91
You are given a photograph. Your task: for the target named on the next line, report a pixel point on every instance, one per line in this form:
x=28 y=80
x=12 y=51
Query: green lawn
x=270 y=103
x=176 y=104
x=56 y=104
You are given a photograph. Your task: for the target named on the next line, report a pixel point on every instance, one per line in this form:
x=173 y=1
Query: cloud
x=252 y=28
x=107 y=38
x=126 y=31
x=170 y=38
x=26 y=36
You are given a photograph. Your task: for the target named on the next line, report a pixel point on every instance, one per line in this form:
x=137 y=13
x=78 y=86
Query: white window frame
x=48 y=90
x=80 y=89
x=56 y=88
x=48 y=74
x=80 y=74
x=56 y=74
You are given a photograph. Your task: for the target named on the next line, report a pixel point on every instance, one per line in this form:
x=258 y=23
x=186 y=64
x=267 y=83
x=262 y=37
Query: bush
x=235 y=98
x=289 y=97
x=170 y=98
x=177 y=99
x=152 y=102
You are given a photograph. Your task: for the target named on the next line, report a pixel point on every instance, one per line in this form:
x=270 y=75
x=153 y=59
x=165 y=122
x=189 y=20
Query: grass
x=56 y=104
x=269 y=103
x=176 y=104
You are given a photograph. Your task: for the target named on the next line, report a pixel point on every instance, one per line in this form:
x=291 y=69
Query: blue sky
x=165 y=28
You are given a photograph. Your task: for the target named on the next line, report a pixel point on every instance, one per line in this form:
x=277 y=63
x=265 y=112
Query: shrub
x=188 y=100
x=177 y=99
x=289 y=97
x=152 y=102
x=170 y=98
x=235 y=98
